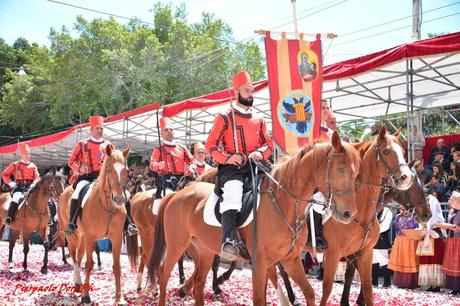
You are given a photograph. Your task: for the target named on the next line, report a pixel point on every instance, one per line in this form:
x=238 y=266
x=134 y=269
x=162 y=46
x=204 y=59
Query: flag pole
x=294 y=16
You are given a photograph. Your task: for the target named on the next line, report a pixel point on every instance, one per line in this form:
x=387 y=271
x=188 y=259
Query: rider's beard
x=245 y=102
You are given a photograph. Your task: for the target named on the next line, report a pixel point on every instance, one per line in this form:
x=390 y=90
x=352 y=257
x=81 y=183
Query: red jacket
x=88 y=156
x=176 y=157
x=24 y=174
x=251 y=136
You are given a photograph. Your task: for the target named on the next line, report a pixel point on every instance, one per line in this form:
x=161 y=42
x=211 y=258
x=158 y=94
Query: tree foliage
x=108 y=67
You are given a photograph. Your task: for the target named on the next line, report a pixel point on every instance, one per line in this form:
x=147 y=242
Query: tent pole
x=408 y=109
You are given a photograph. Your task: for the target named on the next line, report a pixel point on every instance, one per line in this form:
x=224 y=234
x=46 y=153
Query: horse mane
x=288 y=164
x=43 y=179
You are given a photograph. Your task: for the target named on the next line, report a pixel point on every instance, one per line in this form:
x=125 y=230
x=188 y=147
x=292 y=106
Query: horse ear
x=336 y=142
x=109 y=149
x=411 y=164
x=382 y=133
x=397 y=134
x=126 y=151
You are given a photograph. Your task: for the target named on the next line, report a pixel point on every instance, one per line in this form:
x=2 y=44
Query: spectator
x=381 y=249
x=456 y=156
x=431 y=251
x=439 y=158
x=440 y=146
x=423 y=172
x=403 y=260
x=437 y=189
x=453 y=180
x=418 y=142
x=451 y=262
x=374 y=129
x=439 y=170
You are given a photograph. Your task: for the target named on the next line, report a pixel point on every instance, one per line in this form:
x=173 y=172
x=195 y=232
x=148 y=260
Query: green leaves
x=109 y=68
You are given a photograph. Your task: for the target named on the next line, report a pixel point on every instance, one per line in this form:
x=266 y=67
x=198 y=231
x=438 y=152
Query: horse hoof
x=26 y=270
x=85 y=299
x=182 y=293
x=217 y=291
x=296 y=303
x=10 y=265
x=122 y=302
x=44 y=270
x=139 y=289
x=77 y=287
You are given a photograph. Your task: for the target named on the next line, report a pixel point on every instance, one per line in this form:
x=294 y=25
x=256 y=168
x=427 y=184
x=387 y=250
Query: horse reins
x=300 y=218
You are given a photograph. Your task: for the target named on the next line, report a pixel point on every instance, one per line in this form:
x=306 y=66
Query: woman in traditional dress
x=451 y=263
x=403 y=260
x=431 y=250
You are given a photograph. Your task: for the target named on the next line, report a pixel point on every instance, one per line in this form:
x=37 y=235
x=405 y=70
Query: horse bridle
x=109 y=196
x=392 y=176
x=300 y=218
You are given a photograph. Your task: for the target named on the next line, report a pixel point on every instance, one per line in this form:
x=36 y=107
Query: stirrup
x=131 y=230
x=8 y=221
x=229 y=251
x=70 y=229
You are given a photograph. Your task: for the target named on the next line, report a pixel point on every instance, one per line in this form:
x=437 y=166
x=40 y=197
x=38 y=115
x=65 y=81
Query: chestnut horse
x=33 y=215
x=145 y=220
x=382 y=158
x=332 y=168
x=102 y=216
x=412 y=199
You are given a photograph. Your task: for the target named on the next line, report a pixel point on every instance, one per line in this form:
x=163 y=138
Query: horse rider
x=236 y=136
x=170 y=161
x=25 y=175
x=86 y=162
x=199 y=165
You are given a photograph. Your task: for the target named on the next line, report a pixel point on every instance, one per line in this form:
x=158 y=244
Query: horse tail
x=132 y=248
x=159 y=242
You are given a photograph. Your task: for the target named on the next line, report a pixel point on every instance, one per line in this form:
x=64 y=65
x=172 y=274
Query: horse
x=145 y=220
x=105 y=203
x=382 y=158
x=33 y=215
x=413 y=199
x=332 y=167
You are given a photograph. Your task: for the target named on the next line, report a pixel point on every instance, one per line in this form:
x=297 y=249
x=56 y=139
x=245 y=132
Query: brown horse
x=382 y=158
x=33 y=215
x=412 y=199
x=332 y=168
x=145 y=220
x=105 y=204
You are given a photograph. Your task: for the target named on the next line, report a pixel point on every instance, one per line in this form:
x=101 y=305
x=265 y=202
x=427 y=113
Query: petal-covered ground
x=55 y=288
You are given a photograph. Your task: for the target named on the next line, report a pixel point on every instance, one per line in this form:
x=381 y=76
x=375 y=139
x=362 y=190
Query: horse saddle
x=84 y=194
x=212 y=215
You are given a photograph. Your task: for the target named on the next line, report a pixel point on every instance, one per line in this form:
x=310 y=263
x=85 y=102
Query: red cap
x=24 y=148
x=165 y=122
x=96 y=120
x=240 y=79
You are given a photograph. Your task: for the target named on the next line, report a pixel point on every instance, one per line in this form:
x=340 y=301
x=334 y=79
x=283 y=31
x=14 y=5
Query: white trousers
x=18 y=197
x=233 y=194
x=78 y=188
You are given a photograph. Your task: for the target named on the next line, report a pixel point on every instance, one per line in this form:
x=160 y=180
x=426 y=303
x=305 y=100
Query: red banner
x=295 y=75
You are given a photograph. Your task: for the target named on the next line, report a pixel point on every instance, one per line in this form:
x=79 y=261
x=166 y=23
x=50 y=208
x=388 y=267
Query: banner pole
x=294 y=16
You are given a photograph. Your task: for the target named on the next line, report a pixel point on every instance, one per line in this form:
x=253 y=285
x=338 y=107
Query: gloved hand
x=12 y=184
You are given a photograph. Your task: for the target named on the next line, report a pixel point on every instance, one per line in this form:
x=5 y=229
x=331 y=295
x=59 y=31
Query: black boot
x=11 y=212
x=386 y=277
x=74 y=210
x=129 y=227
x=318 y=221
x=375 y=274
x=229 y=250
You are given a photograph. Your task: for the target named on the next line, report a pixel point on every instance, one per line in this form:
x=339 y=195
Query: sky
x=356 y=22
